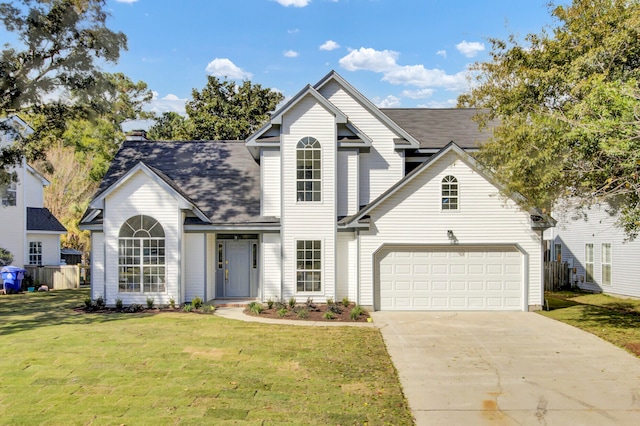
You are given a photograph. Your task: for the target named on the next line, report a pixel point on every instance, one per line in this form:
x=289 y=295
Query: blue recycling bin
x=12 y=277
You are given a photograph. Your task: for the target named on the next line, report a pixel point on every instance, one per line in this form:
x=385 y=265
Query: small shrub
x=279 y=305
x=135 y=307
x=329 y=315
x=208 y=309
x=356 y=312
x=197 y=302
x=345 y=302
x=329 y=300
x=309 y=303
x=118 y=303
x=270 y=303
x=88 y=303
x=292 y=302
x=100 y=302
x=303 y=313
x=172 y=303
x=336 y=309
x=6 y=258
x=282 y=312
x=150 y=302
x=255 y=308
x=188 y=307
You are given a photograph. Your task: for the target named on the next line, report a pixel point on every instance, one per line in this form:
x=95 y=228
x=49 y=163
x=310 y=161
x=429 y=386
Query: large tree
x=224 y=110
x=169 y=126
x=51 y=69
x=567 y=104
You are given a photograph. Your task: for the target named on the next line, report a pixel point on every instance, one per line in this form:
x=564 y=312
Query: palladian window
x=308 y=171
x=141 y=256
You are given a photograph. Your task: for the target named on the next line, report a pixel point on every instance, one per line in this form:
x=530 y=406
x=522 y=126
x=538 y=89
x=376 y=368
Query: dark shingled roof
x=41 y=219
x=221 y=178
x=435 y=128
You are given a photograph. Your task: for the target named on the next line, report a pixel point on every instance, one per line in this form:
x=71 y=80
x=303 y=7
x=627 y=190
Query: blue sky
x=398 y=53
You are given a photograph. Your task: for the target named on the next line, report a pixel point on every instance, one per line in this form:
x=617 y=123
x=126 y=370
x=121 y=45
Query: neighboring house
x=592 y=243
x=27 y=229
x=332 y=198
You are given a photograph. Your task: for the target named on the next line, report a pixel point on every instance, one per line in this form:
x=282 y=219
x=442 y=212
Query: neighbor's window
x=35 y=253
x=309 y=265
x=308 y=170
x=558 y=251
x=606 y=264
x=141 y=255
x=588 y=262
x=8 y=194
x=449 y=193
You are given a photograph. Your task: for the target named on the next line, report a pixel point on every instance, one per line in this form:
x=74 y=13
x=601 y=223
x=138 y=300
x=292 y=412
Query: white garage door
x=446 y=278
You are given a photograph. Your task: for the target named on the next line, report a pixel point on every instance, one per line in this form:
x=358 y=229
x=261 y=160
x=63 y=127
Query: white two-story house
x=332 y=198
x=27 y=229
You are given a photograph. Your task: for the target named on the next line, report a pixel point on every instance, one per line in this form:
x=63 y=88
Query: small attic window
x=449 y=193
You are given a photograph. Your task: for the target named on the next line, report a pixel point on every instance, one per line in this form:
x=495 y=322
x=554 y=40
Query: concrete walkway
x=509 y=368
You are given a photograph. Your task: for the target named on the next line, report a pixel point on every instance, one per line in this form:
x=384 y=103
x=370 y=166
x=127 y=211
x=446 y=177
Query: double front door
x=237 y=270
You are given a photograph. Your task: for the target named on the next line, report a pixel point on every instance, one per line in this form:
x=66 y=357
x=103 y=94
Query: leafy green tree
x=226 y=111
x=52 y=70
x=5 y=257
x=567 y=104
x=169 y=126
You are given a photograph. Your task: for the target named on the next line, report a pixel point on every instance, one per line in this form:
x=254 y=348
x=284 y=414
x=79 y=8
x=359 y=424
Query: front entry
x=237 y=268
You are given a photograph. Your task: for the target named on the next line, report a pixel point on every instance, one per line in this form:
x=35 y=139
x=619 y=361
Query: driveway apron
x=509 y=368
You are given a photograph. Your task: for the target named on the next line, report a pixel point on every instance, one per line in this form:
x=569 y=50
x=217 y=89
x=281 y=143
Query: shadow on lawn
x=28 y=311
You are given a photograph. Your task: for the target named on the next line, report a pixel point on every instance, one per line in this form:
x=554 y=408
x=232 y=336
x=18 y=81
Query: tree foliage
x=226 y=111
x=6 y=258
x=169 y=126
x=568 y=106
x=52 y=69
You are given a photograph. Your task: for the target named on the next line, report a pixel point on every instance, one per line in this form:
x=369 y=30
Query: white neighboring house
x=592 y=244
x=27 y=229
x=332 y=198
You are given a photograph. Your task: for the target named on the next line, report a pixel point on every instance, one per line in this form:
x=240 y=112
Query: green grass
x=613 y=319
x=58 y=366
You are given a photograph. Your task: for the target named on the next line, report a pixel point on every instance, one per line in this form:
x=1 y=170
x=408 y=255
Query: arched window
x=141 y=256
x=308 y=171
x=449 y=193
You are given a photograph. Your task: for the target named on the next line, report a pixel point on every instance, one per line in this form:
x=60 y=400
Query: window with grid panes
x=308 y=265
x=449 y=193
x=308 y=170
x=141 y=256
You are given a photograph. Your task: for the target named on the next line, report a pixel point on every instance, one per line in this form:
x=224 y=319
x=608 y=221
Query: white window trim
x=587 y=263
x=37 y=254
x=603 y=263
x=456 y=197
x=320 y=270
x=304 y=146
x=140 y=263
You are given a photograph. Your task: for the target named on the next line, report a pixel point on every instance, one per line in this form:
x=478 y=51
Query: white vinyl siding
x=347 y=182
x=346 y=266
x=270 y=266
x=33 y=191
x=194 y=266
x=50 y=247
x=308 y=220
x=270 y=182
x=501 y=223
x=97 y=264
x=141 y=195
x=382 y=166
x=14 y=225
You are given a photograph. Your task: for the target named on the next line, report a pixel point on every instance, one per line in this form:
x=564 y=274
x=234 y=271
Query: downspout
x=358 y=266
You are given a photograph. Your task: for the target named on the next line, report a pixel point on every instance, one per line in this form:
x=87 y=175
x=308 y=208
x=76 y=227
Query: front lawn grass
x=59 y=366
x=613 y=319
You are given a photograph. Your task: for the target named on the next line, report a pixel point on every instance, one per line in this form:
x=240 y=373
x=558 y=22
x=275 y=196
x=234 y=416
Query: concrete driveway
x=509 y=368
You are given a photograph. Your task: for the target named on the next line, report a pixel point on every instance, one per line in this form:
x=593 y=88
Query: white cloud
x=293 y=31
x=126 y=1
x=291 y=54
x=388 y=102
x=370 y=59
x=167 y=103
x=442 y=53
x=418 y=94
x=294 y=3
x=470 y=48
x=223 y=67
x=329 y=45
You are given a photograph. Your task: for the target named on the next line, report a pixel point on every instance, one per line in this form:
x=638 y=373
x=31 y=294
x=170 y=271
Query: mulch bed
x=313 y=313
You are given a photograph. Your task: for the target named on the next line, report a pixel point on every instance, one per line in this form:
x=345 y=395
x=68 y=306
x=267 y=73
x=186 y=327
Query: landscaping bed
x=344 y=311
x=614 y=319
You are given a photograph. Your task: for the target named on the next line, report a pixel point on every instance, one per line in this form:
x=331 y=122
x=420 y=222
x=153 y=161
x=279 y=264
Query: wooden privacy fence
x=56 y=277
x=556 y=276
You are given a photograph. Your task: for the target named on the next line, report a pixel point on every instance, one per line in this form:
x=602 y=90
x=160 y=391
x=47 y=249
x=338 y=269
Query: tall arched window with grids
x=308 y=170
x=141 y=256
x=449 y=193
